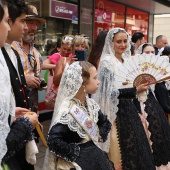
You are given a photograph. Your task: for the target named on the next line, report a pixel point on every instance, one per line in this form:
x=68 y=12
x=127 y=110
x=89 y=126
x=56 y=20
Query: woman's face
x=4 y=27
x=120 y=43
x=80 y=47
x=93 y=82
x=65 y=50
x=149 y=50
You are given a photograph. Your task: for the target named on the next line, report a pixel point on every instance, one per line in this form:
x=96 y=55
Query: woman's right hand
x=33 y=117
x=70 y=60
x=142 y=87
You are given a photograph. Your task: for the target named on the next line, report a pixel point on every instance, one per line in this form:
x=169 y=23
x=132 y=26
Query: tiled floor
x=40 y=155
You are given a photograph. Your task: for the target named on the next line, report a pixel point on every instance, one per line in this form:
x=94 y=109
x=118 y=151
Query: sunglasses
x=33 y=62
x=67 y=38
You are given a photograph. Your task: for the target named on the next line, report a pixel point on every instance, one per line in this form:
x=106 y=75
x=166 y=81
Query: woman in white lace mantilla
x=78 y=126
x=128 y=145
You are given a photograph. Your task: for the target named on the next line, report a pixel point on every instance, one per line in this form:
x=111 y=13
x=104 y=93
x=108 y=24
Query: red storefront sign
x=63 y=10
x=101 y=16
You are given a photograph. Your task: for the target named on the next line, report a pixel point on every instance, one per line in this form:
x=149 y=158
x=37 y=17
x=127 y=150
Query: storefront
x=131 y=15
x=92 y=16
x=110 y=14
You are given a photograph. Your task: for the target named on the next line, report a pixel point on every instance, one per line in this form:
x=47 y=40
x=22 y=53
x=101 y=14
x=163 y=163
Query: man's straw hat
x=33 y=15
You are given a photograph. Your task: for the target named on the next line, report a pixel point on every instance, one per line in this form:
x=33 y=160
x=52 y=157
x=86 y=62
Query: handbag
x=51 y=96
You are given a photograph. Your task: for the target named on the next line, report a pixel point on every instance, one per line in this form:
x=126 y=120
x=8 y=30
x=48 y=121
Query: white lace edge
x=67 y=119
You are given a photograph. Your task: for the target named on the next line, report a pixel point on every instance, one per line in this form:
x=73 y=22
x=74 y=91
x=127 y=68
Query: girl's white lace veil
x=70 y=83
x=107 y=94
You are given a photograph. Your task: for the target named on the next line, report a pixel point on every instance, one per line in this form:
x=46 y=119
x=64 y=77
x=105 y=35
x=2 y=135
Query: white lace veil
x=7 y=105
x=107 y=95
x=70 y=83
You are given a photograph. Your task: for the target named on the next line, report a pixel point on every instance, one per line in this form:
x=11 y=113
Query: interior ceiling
x=151 y=6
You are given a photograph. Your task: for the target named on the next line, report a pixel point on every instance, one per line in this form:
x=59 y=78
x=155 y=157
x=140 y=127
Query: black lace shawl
x=135 y=150
x=160 y=131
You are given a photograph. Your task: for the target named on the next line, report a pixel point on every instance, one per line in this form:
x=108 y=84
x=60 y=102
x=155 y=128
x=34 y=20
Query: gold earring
x=84 y=89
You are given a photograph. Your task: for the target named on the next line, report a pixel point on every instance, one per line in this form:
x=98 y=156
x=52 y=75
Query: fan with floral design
x=141 y=69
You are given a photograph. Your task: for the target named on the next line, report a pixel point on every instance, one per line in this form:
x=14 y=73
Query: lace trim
x=67 y=119
x=68 y=152
x=160 y=131
x=24 y=128
x=28 y=126
x=104 y=130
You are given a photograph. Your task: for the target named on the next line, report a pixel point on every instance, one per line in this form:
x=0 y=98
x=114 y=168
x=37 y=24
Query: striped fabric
x=28 y=69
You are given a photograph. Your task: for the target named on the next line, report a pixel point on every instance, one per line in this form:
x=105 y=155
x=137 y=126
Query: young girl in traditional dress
x=78 y=125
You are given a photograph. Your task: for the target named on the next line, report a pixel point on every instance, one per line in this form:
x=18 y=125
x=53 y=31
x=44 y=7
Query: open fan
x=141 y=69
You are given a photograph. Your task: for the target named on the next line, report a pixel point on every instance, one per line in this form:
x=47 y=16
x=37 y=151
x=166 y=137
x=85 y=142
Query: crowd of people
x=96 y=125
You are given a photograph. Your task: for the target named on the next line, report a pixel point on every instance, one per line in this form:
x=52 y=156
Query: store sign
x=64 y=10
x=103 y=17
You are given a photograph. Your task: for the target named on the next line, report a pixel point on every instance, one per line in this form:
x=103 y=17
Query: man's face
x=163 y=42
x=32 y=29
x=18 y=28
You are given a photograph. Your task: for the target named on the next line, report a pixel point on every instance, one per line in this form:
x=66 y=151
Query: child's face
x=93 y=83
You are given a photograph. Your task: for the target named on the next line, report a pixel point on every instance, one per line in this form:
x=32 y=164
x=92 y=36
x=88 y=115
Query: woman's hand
x=142 y=87
x=19 y=111
x=70 y=60
x=33 y=117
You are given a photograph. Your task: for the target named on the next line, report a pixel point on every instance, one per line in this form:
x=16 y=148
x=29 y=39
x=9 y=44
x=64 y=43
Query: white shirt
x=12 y=56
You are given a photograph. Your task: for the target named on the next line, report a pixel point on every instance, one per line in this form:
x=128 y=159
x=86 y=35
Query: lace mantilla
x=107 y=94
x=7 y=105
x=70 y=83
x=67 y=118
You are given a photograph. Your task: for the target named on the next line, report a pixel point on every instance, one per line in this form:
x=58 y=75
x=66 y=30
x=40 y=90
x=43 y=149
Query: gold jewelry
x=84 y=90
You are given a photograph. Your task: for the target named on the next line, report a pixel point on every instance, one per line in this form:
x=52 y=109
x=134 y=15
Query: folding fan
x=141 y=69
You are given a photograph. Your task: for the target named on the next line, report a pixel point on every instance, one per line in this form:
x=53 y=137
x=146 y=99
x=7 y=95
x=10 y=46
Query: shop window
x=108 y=15
x=137 y=21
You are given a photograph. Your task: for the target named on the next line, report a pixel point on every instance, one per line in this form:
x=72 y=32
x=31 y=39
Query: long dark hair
x=2 y=4
x=97 y=48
